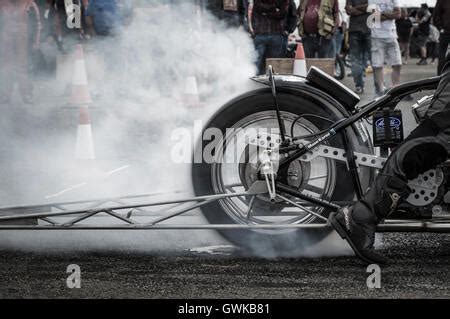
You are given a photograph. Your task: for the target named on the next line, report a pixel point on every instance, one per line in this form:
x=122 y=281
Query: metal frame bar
x=95 y=211
x=404 y=226
x=441 y=225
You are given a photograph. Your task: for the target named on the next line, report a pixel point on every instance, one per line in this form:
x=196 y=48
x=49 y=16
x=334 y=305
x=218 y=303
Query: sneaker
x=359 y=90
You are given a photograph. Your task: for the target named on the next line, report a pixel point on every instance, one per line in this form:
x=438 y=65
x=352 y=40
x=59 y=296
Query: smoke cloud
x=138 y=82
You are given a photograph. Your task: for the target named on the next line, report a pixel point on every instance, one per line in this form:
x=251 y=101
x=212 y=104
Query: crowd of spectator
x=26 y=24
x=375 y=33
x=325 y=28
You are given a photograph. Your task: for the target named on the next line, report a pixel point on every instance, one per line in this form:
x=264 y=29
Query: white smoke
x=138 y=92
x=137 y=81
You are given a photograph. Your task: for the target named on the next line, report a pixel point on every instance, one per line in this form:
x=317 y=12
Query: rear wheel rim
x=244 y=210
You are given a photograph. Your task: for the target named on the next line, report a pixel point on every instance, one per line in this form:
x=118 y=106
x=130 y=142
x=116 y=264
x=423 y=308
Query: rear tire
x=273 y=243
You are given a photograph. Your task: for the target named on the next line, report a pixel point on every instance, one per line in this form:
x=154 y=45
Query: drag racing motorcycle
x=305 y=141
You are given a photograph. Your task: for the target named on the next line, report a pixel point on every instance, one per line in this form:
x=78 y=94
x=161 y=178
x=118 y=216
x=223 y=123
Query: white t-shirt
x=387 y=28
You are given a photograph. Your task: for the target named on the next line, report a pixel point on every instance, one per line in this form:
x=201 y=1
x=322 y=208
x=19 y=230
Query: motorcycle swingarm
x=368 y=160
x=338 y=154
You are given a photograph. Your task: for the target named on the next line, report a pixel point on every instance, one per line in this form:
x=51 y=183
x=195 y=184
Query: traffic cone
x=84 y=149
x=80 y=90
x=191 y=96
x=300 y=62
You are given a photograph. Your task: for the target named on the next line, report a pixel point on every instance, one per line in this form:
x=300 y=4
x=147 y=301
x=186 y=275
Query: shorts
x=385 y=51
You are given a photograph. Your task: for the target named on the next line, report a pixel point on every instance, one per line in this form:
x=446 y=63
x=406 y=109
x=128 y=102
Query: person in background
x=424 y=20
x=385 y=48
x=404 y=30
x=232 y=17
x=359 y=40
x=318 y=22
x=249 y=15
x=55 y=13
x=338 y=37
x=20 y=27
x=102 y=17
x=268 y=25
x=105 y=24
x=441 y=19
x=433 y=44
x=290 y=24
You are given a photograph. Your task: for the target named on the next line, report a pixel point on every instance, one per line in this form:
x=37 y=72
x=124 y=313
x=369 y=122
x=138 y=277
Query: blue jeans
x=285 y=46
x=268 y=46
x=359 y=53
x=316 y=44
x=336 y=43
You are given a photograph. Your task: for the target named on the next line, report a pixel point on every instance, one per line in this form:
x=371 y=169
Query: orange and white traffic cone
x=84 y=149
x=80 y=97
x=80 y=90
x=300 y=62
x=191 y=95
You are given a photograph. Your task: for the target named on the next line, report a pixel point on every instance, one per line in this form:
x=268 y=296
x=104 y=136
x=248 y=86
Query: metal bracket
x=266 y=141
x=338 y=154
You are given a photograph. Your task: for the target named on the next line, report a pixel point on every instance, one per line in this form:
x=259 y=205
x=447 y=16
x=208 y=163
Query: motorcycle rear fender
x=299 y=86
x=323 y=99
x=319 y=98
x=363 y=143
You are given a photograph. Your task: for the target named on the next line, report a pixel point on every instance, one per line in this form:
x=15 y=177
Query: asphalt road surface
x=419 y=269
x=176 y=264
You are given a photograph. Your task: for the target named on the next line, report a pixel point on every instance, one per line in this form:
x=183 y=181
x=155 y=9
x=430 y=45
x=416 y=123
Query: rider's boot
x=357 y=224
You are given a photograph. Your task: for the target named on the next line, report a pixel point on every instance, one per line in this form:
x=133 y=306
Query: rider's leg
x=357 y=224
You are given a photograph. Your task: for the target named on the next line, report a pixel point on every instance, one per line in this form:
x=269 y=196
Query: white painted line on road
x=107 y=174
x=214 y=250
x=117 y=170
x=66 y=190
